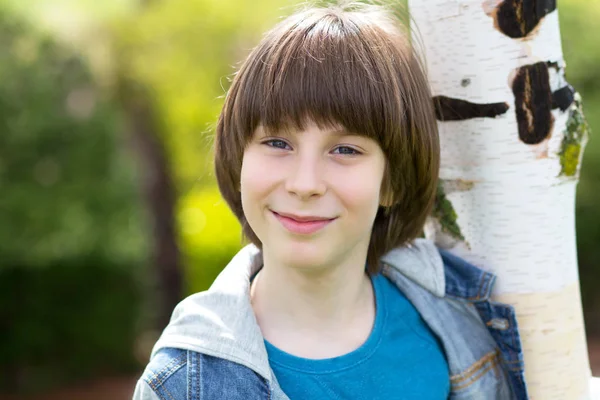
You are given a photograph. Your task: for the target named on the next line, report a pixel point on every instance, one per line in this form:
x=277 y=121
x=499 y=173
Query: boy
x=327 y=152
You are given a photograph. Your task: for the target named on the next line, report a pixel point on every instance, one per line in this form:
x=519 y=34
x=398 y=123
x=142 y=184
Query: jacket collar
x=441 y=272
x=220 y=322
x=464 y=280
x=420 y=262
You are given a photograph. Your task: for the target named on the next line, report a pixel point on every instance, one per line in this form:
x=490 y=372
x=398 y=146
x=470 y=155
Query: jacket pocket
x=485 y=379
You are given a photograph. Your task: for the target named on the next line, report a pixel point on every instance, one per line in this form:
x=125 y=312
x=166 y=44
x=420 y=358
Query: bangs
x=327 y=69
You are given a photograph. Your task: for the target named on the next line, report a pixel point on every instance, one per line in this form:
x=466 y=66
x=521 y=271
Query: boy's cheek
x=252 y=168
x=255 y=161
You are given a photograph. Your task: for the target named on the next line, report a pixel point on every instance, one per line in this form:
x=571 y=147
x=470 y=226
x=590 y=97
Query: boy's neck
x=299 y=311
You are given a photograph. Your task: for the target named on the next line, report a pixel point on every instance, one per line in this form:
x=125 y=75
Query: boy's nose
x=305 y=179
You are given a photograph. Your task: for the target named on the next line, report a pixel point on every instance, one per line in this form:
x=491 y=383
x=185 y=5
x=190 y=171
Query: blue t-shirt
x=401 y=359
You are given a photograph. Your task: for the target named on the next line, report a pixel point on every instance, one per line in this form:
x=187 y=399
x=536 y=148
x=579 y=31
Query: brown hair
x=351 y=66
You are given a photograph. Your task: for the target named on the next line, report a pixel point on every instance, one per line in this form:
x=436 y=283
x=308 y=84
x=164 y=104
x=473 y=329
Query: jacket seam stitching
x=479 y=296
x=168 y=393
x=155 y=380
x=514 y=337
x=473 y=369
x=189 y=382
x=204 y=350
x=155 y=389
x=199 y=375
x=481 y=284
x=482 y=372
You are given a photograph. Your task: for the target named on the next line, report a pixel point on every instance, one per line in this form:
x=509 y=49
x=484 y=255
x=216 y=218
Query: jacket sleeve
x=144 y=392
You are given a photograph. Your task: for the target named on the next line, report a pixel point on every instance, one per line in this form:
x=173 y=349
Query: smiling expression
x=311 y=195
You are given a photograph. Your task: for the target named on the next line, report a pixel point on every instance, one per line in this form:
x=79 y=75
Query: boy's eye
x=283 y=145
x=276 y=143
x=346 y=150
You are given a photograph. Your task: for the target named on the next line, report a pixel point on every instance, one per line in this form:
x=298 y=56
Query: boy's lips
x=304 y=225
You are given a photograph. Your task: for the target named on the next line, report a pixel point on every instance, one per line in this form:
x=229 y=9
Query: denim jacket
x=213 y=347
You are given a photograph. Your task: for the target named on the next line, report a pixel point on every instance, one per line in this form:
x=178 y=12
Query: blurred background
x=109 y=211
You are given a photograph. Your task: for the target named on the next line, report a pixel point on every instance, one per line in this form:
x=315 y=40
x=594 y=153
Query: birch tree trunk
x=512 y=136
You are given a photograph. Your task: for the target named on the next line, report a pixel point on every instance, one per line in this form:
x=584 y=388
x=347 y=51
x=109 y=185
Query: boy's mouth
x=302 y=224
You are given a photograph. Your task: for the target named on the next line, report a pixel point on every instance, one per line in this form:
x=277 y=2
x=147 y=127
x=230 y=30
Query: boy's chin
x=305 y=258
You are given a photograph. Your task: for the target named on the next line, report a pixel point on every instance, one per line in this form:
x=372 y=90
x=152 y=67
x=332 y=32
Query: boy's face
x=311 y=196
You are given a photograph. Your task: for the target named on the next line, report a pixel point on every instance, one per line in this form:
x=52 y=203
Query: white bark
x=515 y=209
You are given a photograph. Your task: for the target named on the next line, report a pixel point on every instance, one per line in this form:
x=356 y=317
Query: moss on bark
x=445 y=214
x=574 y=140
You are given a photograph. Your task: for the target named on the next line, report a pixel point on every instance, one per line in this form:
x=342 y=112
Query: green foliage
x=210 y=236
x=67 y=183
x=66 y=322
x=71 y=231
x=581 y=50
x=579 y=30
x=186 y=51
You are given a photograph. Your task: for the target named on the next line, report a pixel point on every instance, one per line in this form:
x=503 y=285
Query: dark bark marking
x=452 y=109
x=563 y=98
x=533 y=103
x=518 y=18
